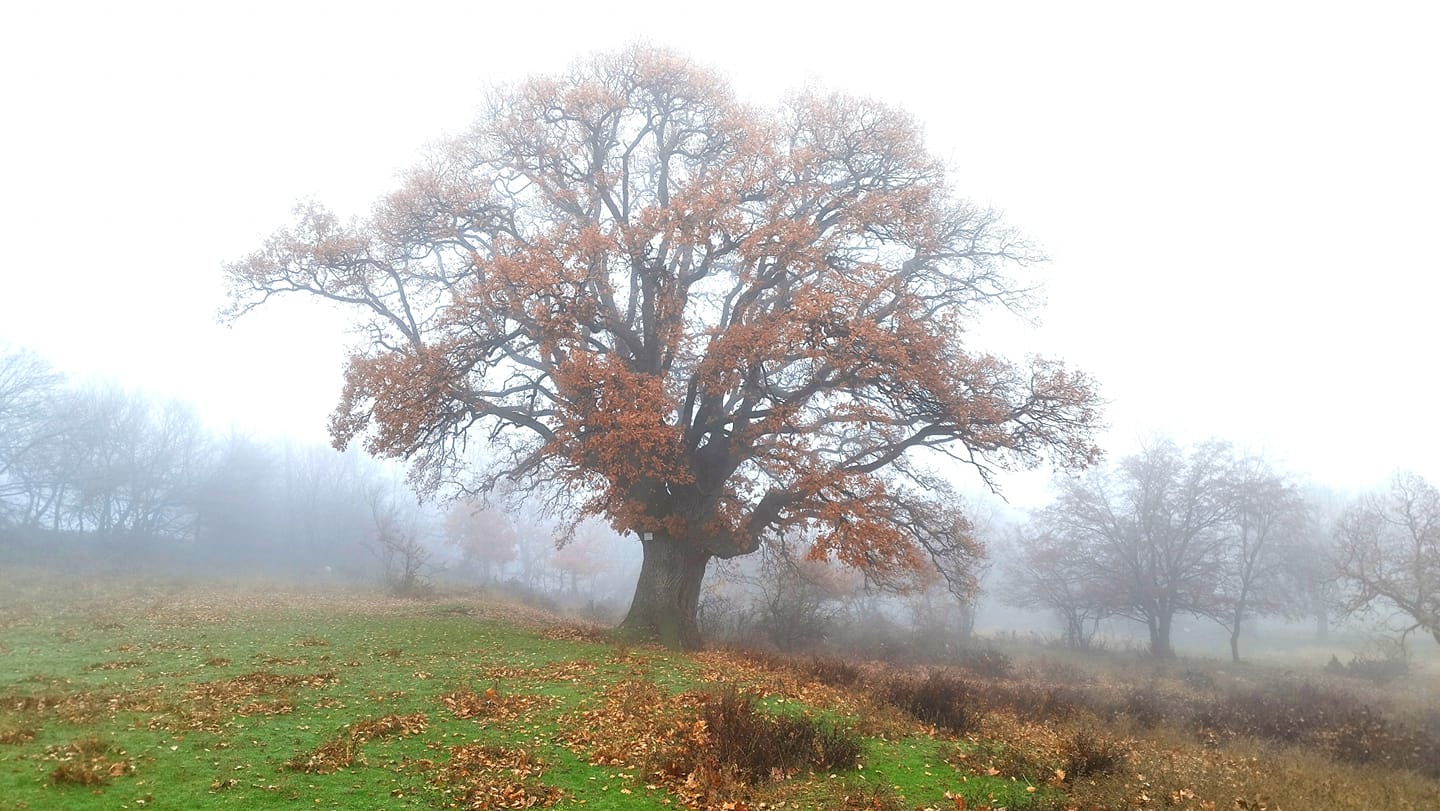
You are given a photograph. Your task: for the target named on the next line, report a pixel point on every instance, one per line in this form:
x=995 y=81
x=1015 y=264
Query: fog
x=98 y=481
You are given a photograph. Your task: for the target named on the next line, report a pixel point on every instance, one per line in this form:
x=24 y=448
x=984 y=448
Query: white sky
x=1239 y=199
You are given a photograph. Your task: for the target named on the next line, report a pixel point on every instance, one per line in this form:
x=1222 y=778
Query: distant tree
x=123 y=467
x=484 y=534
x=797 y=597
x=706 y=322
x=1259 y=550
x=1313 y=582
x=1389 y=553
x=583 y=557
x=1053 y=573
x=405 y=563
x=1153 y=529
x=326 y=507
x=28 y=401
x=236 y=515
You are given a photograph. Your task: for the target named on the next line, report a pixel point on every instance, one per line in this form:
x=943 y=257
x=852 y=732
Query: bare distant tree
x=1153 y=528
x=1054 y=575
x=798 y=598
x=1389 y=553
x=404 y=558
x=28 y=388
x=1268 y=525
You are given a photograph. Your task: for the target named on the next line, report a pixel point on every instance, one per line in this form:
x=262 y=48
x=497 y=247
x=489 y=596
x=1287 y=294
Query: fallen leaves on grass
x=81 y=707
x=709 y=750
x=574 y=671
x=206 y=704
x=87 y=762
x=569 y=632
x=467 y=703
x=343 y=750
x=121 y=665
x=480 y=777
x=17 y=735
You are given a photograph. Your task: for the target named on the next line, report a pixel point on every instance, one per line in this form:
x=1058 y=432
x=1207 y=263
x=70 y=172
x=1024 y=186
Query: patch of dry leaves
x=343 y=750
x=87 y=762
x=492 y=705
x=480 y=777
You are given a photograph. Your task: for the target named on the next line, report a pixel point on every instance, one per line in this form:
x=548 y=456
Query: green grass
x=129 y=680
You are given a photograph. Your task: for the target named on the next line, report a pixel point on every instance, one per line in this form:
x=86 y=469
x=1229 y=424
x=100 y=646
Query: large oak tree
x=709 y=323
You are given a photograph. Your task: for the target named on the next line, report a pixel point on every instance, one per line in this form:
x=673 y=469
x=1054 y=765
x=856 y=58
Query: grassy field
x=171 y=697
x=156 y=695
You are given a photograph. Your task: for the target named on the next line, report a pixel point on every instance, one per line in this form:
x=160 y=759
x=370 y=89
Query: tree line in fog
x=98 y=473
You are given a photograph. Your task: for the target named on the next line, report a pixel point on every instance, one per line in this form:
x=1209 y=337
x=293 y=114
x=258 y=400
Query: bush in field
x=942 y=699
x=987 y=662
x=1381 y=669
x=758 y=746
x=1088 y=754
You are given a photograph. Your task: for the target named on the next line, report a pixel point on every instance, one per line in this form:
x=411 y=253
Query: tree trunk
x=667 y=594
x=1235 y=634
x=1160 y=646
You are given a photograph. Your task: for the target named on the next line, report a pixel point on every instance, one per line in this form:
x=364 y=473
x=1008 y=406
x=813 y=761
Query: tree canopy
x=708 y=322
x=1389 y=553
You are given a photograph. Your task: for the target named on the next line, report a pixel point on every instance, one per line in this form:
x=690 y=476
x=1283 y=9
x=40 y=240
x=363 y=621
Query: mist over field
x=100 y=482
